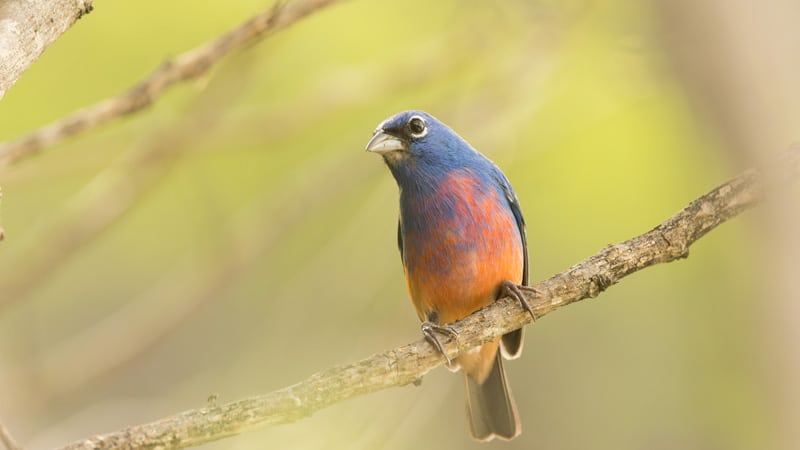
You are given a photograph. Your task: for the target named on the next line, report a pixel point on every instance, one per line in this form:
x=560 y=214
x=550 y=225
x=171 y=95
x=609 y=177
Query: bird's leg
x=429 y=330
x=513 y=290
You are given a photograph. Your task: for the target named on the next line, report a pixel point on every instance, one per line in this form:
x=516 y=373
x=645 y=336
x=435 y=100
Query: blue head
x=419 y=149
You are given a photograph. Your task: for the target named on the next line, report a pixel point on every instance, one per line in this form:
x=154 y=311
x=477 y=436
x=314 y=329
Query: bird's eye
x=417 y=127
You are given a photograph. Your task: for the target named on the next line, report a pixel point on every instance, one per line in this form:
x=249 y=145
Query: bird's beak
x=383 y=143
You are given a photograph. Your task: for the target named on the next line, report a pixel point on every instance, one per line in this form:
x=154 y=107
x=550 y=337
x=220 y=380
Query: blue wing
x=511 y=343
x=513 y=204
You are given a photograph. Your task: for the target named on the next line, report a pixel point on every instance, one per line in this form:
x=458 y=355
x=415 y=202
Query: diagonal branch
x=187 y=66
x=148 y=318
x=8 y=441
x=108 y=197
x=408 y=364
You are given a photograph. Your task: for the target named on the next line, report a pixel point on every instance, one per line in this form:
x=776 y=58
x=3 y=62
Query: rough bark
x=27 y=28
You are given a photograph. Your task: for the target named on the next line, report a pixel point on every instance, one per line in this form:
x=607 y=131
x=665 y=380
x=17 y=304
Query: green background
x=258 y=244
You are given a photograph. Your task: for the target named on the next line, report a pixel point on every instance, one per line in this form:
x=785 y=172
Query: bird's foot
x=515 y=291
x=430 y=329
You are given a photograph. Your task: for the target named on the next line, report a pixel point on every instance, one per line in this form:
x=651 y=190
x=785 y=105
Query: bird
x=461 y=236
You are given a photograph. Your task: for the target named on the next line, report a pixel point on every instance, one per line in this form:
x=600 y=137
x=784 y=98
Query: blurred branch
x=150 y=317
x=8 y=441
x=2 y=232
x=111 y=193
x=28 y=28
x=108 y=196
x=408 y=364
x=186 y=66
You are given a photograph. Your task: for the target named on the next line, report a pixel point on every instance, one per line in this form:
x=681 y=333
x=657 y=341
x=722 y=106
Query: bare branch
x=105 y=199
x=112 y=192
x=7 y=440
x=408 y=364
x=2 y=232
x=145 y=320
x=186 y=66
x=28 y=28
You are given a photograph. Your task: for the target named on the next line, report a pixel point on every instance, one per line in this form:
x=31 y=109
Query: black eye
x=417 y=127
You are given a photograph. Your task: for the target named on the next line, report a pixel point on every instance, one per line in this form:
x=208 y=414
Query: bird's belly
x=456 y=267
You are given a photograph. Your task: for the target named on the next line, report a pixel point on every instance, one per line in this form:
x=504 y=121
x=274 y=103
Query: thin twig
x=7 y=439
x=149 y=318
x=108 y=196
x=408 y=364
x=2 y=232
x=186 y=66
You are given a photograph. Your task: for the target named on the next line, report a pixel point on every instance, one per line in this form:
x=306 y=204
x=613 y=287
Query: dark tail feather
x=490 y=407
x=511 y=344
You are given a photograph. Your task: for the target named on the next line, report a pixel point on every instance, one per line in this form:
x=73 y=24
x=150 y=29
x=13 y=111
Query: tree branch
x=7 y=440
x=186 y=66
x=148 y=318
x=408 y=364
x=27 y=28
x=2 y=231
x=109 y=195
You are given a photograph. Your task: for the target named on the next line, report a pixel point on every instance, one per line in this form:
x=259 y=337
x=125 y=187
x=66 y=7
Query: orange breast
x=462 y=244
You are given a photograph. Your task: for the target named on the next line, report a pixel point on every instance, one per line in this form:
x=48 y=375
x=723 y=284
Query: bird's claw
x=429 y=330
x=514 y=291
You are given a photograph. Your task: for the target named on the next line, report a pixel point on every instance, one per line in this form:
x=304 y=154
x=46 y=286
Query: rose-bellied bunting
x=462 y=242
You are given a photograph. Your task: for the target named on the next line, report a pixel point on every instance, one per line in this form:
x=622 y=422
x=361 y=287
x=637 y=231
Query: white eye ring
x=413 y=127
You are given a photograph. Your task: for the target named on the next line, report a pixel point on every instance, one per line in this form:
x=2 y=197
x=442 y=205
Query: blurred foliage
x=263 y=249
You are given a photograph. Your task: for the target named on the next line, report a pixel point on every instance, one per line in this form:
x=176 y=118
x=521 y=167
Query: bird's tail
x=490 y=406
